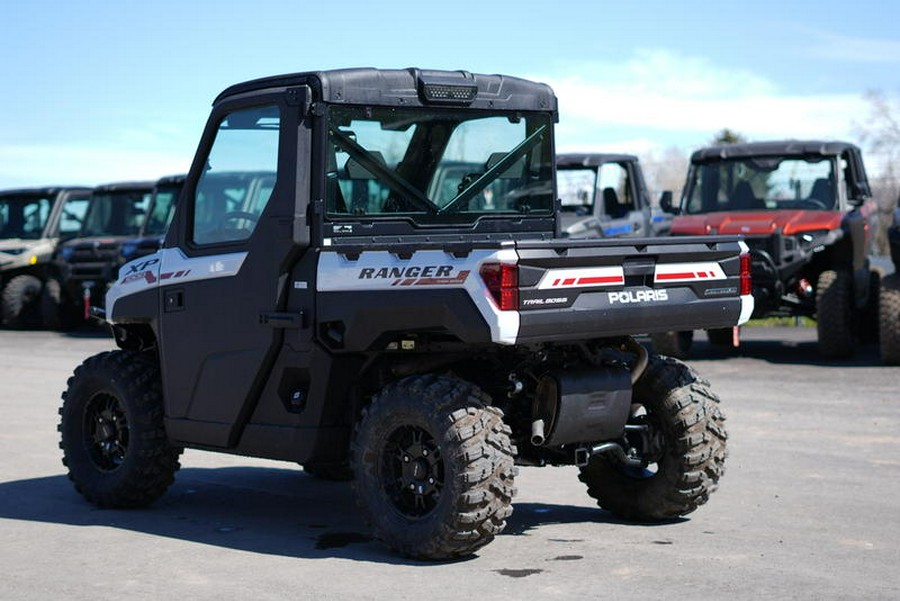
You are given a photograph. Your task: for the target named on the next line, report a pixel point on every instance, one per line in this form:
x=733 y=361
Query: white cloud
x=661 y=96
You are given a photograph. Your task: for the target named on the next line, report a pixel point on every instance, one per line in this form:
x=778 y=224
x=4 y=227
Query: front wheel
x=112 y=435
x=889 y=319
x=678 y=431
x=433 y=467
x=834 y=314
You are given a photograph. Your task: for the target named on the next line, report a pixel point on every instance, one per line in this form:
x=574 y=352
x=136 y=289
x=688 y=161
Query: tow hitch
x=651 y=442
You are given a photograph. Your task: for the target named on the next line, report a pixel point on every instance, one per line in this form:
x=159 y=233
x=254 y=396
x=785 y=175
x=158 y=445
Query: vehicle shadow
x=91 y=329
x=784 y=351
x=272 y=511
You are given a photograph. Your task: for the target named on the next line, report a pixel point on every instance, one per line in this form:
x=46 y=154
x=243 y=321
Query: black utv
x=335 y=291
x=83 y=267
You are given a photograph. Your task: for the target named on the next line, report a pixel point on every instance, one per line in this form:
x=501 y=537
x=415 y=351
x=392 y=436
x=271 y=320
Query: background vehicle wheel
x=834 y=314
x=334 y=472
x=868 y=317
x=21 y=302
x=434 y=470
x=684 y=448
x=112 y=433
x=889 y=319
x=56 y=312
x=673 y=344
x=722 y=337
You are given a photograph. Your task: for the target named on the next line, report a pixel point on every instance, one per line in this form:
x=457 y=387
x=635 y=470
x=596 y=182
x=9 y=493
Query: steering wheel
x=251 y=217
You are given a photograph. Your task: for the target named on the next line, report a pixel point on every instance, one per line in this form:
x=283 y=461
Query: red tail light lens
x=502 y=281
x=746 y=281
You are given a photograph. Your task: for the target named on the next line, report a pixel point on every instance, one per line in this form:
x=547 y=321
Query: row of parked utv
x=60 y=247
x=804 y=208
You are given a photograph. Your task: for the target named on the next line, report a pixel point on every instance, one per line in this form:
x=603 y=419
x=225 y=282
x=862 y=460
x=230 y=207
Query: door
x=220 y=275
x=619 y=211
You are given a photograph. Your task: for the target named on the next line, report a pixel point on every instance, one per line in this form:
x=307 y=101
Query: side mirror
x=665 y=203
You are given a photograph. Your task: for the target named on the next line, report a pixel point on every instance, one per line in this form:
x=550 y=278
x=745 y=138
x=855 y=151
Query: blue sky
x=98 y=91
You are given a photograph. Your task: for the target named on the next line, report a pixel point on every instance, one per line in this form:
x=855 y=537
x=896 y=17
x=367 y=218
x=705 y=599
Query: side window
x=72 y=216
x=239 y=178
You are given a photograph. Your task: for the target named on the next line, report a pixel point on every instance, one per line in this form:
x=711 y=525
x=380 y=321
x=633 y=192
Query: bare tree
x=880 y=136
x=665 y=169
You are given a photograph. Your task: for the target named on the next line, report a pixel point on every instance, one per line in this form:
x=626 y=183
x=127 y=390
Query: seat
x=611 y=204
x=822 y=192
x=743 y=199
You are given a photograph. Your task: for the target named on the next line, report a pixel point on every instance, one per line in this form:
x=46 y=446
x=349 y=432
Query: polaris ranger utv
x=805 y=210
x=83 y=267
x=604 y=195
x=33 y=221
x=335 y=314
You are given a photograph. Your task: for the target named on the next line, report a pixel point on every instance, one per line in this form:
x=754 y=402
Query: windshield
x=437 y=164
x=761 y=183
x=163 y=208
x=118 y=213
x=24 y=216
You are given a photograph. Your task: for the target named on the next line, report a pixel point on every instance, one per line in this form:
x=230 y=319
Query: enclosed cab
x=33 y=221
x=604 y=195
x=84 y=266
x=364 y=276
x=804 y=208
x=159 y=216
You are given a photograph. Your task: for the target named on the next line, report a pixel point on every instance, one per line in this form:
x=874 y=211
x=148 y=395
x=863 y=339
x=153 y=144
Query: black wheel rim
x=413 y=471
x=105 y=432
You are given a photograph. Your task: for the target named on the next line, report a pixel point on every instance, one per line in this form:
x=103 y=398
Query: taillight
x=502 y=281
x=746 y=281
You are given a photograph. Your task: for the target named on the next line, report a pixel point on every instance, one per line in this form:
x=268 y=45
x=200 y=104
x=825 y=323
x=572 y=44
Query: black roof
x=592 y=159
x=772 y=148
x=45 y=190
x=119 y=186
x=171 y=180
x=400 y=87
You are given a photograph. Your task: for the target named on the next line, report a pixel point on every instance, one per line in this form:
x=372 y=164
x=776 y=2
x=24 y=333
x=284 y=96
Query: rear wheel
x=21 y=302
x=673 y=344
x=678 y=433
x=112 y=435
x=889 y=319
x=835 y=315
x=434 y=470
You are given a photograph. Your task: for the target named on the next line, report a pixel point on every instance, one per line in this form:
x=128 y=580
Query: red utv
x=805 y=211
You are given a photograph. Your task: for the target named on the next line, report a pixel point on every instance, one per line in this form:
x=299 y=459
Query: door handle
x=173 y=300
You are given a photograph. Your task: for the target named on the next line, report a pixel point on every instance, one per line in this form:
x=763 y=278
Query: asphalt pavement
x=807 y=509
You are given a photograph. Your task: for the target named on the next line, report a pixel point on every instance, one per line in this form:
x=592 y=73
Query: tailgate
x=579 y=289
